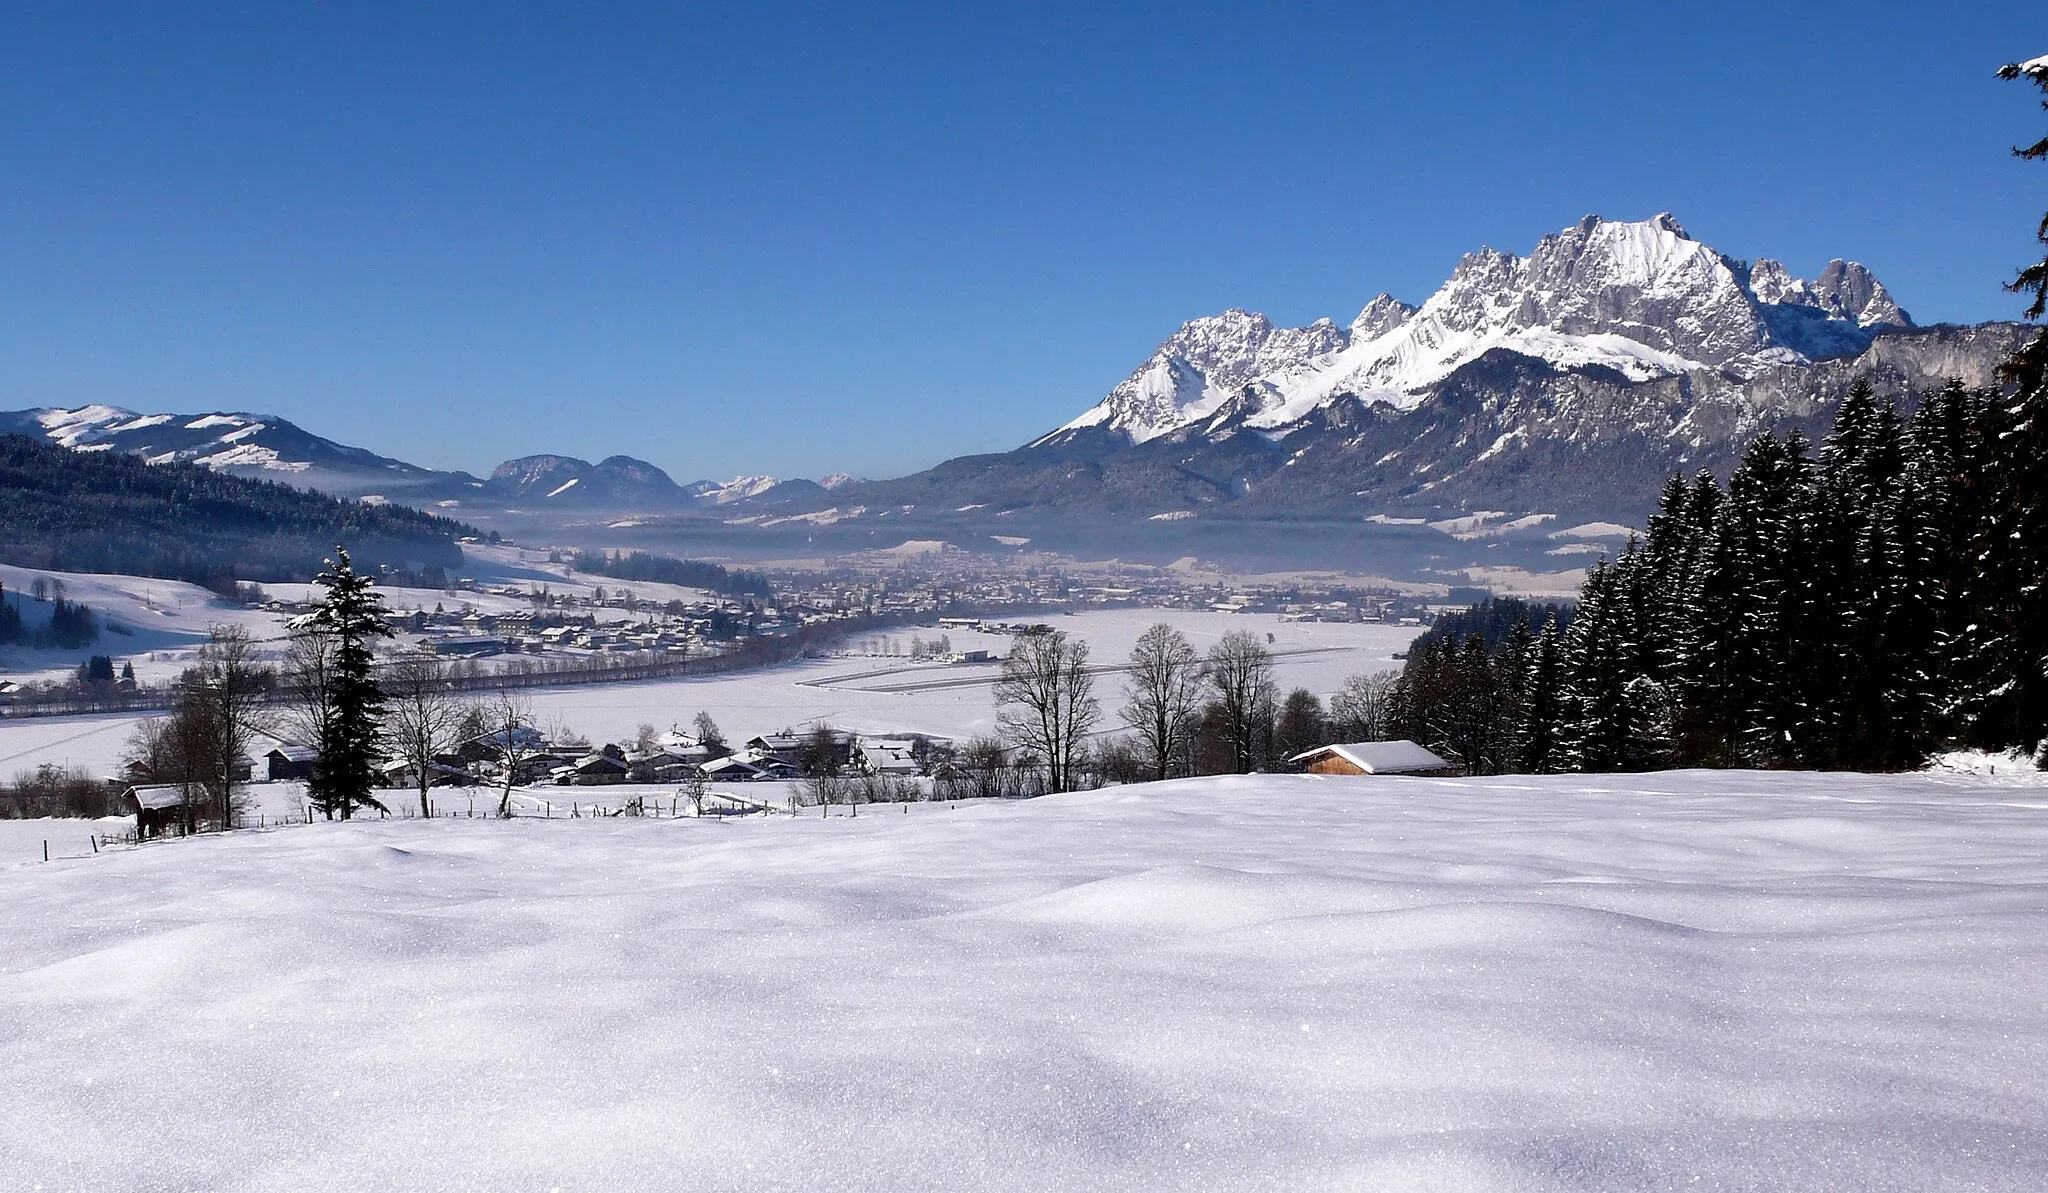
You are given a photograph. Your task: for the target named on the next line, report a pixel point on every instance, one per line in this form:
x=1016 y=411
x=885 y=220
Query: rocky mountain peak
x=1844 y=290
x=1380 y=316
x=1642 y=298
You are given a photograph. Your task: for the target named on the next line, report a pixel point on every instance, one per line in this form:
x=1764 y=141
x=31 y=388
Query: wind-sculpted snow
x=1725 y=981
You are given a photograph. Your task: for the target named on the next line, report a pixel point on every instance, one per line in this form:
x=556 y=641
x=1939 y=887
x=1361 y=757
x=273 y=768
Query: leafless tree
x=513 y=735
x=178 y=750
x=1363 y=709
x=694 y=787
x=1165 y=691
x=819 y=763
x=1045 y=701
x=1241 y=676
x=709 y=736
x=421 y=718
x=308 y=674
x=223 y=701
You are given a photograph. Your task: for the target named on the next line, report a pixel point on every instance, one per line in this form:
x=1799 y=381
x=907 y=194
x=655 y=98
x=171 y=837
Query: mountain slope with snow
x=1570 y=382
x=1643 y=299
x=266 y=447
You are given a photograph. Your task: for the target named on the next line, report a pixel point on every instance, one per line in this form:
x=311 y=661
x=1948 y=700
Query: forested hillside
x=107 y=512
x=1860 y=610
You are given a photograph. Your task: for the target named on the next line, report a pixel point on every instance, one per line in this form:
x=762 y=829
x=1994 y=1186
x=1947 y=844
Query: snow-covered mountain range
x=1564 y=384
x=272 y=448
x=1527 y=392
x=1644 y=300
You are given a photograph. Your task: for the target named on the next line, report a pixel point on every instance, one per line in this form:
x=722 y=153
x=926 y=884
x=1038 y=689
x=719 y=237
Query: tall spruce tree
x=350 y=615
x=2015 y=557
x=1543 y=702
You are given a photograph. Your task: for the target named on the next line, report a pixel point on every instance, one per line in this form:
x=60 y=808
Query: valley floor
x=842 y=692
x=1683 y=980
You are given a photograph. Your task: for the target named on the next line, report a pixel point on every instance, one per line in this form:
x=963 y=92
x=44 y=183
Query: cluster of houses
x=671 y=757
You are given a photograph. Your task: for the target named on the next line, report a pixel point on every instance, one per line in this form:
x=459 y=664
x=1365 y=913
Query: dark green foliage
x=111 y=512
x=1493 y=619
x=661 y=569
x=10 y=619
x=350 y=615
x=72 y=625
x=1859 y=611
x=1466 y=702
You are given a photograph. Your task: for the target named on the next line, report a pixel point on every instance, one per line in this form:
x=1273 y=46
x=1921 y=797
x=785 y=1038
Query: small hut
x=1374 y=758
x=291 y=762
x=157 y=807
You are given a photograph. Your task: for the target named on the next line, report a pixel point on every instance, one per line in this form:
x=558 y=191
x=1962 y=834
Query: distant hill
x=266 y=447
x=111 y=512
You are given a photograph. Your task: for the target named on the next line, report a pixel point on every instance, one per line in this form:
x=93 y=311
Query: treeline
x=1858 y=610
x=68 y=625
x=641 y=567
x=112 y=512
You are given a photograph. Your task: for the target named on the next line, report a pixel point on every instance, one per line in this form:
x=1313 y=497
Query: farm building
x=157 y=807
x=291 y=762
x=1373 y=758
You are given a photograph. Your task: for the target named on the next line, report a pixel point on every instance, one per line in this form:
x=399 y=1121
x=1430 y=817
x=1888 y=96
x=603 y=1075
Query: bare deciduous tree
x=225 y=693
x=1165 y=690
x=1046 y=701
x=1363 y=709
x=421 y=718
x=514 y=737
x=308 y=672
x=1241 y=674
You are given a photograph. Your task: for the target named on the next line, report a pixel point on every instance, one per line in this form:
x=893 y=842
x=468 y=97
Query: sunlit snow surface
x=1665 y=982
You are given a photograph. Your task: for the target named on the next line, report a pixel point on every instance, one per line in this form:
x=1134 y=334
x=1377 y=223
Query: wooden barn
x=158 y=808
x=1374 y=758
x=291 y=762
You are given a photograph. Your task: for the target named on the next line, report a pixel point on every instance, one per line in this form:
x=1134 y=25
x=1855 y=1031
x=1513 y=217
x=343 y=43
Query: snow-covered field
x=824 y=690
x=1677 y=981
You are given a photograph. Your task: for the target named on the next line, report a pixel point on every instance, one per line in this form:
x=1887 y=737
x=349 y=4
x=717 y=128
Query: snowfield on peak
x=1733 y=980
x=1643 y=299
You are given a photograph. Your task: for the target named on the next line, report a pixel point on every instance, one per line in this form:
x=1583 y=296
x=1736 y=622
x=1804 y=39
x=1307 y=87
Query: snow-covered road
x=1753 y=981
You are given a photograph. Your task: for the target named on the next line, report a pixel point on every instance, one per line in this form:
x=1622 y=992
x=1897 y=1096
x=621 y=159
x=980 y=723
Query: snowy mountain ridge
x=1644 y=299
x=267 y=447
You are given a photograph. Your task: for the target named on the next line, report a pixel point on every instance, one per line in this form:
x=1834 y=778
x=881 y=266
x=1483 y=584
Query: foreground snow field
x=1726 y=981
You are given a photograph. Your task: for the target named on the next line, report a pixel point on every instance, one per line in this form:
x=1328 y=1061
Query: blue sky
x=755 y=238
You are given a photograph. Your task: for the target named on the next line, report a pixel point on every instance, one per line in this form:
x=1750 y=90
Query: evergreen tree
x=10 y=619
x=1543 y=701
x=350 y=615
x=2015 y=557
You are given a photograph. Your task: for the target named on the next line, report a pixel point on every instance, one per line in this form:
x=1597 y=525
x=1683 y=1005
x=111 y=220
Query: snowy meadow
x=1683 y=980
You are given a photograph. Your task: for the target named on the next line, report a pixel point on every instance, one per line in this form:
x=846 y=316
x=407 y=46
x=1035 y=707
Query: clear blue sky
x=800 y=240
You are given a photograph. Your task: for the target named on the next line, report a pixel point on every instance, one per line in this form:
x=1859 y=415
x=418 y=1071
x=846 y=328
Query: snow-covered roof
x=1380 y=757
x=158 y=796
x=296 y=753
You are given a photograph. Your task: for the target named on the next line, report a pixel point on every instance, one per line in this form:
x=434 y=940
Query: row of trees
x=1187 y=712
x=68 y=625
x=1856 y=610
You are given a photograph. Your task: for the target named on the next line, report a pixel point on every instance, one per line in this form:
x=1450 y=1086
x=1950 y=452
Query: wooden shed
x=291 y=762
x=1374 y=758
x=157 y=807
